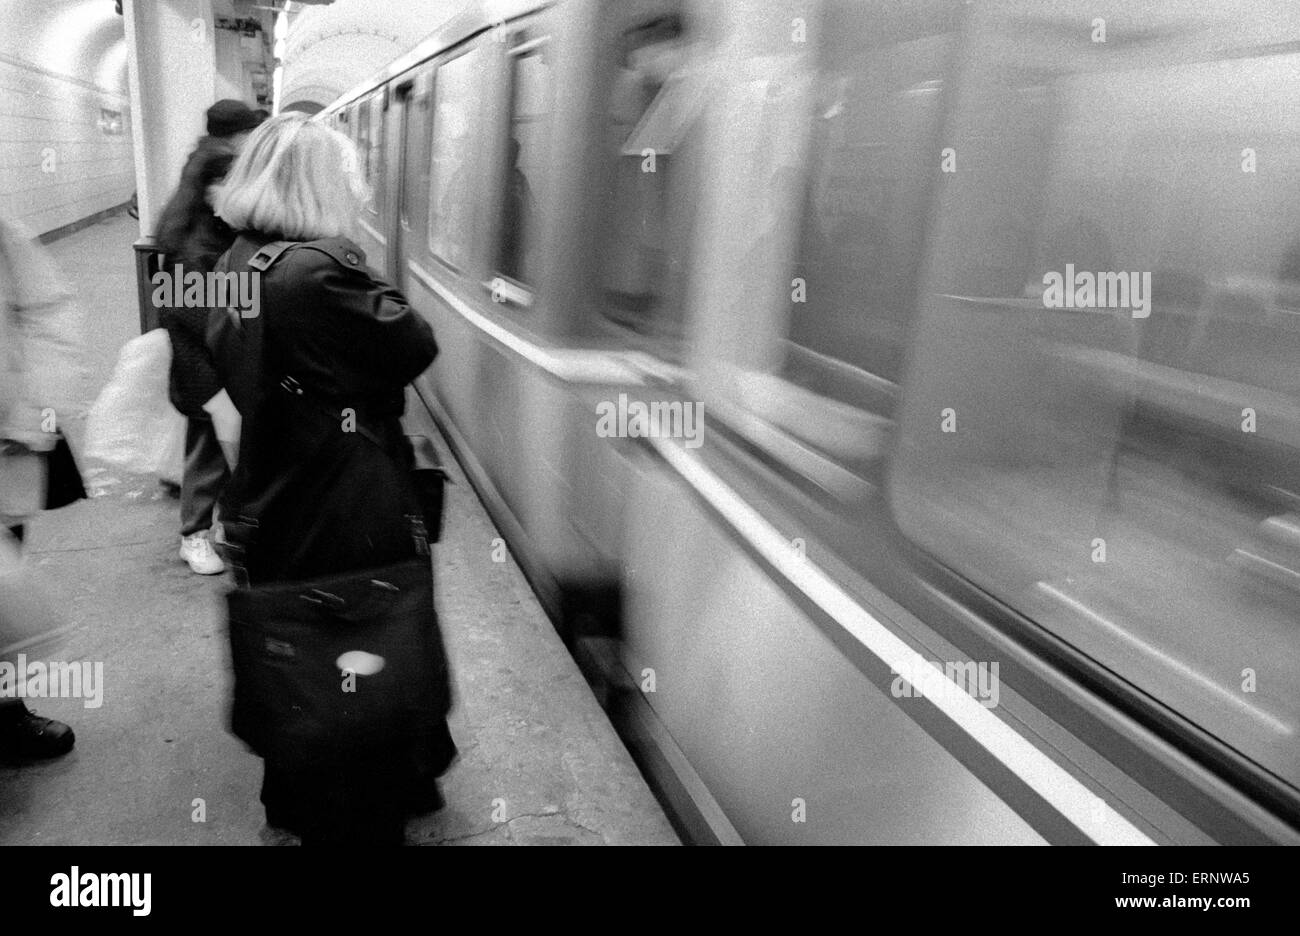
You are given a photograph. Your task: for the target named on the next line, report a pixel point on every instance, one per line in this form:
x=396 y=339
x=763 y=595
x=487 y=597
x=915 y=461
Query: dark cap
x=228 y=117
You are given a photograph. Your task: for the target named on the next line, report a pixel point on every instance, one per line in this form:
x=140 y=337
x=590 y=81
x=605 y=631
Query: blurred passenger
x=516 y=215
x=191 y=235
x=40 y=371
x=312 y=498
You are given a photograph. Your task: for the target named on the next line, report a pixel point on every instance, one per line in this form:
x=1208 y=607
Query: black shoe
x=29 y=735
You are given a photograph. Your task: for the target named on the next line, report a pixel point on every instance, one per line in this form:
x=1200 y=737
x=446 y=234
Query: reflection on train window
x=371 y=144
x=415 y=162
x=654 y=106
x=361 y=136
x=353 y=126
x=1124 y=469
x=377 y=180
x=452 y=194
x=875 y=122
x=526 y=156
x=835 y=157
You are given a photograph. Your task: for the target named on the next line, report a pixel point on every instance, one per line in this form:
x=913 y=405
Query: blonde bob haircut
x=295 y=178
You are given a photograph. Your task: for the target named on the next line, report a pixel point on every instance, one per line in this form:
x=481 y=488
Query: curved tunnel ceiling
x=80 y=39
x=329 y=49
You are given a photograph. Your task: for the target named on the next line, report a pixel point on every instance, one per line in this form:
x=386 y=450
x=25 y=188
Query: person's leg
x=12 y=709
x=353 y=802
x=21 y=731
x=206 y=473
x=282 y=797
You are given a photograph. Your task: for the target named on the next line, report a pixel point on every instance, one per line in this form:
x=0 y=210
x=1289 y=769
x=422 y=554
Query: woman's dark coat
x=327 y=498
x=323 y=498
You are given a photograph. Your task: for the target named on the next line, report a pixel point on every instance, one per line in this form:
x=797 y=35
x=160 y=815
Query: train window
x=363 y=139
x=369 y=140
x=415 y=162
x=870 y=170
x=830 y=161
x=655 y=104
x=1101 y=419
x=452 y=194
x=375 y=153
x=527 y=149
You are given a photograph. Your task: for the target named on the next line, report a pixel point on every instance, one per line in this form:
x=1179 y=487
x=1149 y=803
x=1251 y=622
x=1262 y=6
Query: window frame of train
x=465 y=255
x=508 y=287
x=978 y=331
x=364 y=149
x=653 y=173
x=370 y=129
x=830 y=440
x=413 y=176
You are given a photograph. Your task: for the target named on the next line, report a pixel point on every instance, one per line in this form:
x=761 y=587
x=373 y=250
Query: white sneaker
x=198 y=552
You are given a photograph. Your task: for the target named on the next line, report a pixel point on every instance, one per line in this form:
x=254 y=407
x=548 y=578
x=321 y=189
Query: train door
x=399 y=141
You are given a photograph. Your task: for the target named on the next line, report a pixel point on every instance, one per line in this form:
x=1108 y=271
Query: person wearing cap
x=191 y=236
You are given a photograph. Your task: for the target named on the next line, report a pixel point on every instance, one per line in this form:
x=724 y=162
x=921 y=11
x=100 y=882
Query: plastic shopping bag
x=133 y=424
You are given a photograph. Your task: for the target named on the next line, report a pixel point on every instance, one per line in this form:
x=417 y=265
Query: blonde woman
x=322 y=486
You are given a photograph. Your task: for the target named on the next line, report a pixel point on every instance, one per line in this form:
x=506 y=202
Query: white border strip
x=1177 y=665
x=1075 y=802
x=380 y=238
x=597 y=367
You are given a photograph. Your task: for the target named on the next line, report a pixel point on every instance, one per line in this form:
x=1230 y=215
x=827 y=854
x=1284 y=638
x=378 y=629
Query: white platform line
x=383 y=241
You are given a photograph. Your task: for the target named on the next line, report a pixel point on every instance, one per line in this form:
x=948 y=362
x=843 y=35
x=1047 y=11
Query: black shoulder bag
x=346 y=665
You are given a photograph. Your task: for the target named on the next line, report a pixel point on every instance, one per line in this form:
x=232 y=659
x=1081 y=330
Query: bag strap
x=253 y=353
x=291 y=385
x=268 y=253
x=261 y=261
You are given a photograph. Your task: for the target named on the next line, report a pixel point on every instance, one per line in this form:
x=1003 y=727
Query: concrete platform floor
x=539 y=762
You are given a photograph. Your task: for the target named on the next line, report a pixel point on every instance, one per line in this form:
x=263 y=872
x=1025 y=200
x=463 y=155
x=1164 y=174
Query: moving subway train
x=895 y=405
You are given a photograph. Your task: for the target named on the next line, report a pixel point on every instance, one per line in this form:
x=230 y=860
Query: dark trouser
x=349 y=803
x=13 y=708
x=206 y=473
